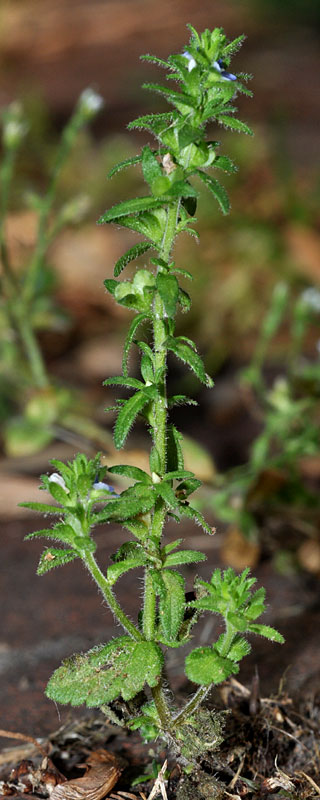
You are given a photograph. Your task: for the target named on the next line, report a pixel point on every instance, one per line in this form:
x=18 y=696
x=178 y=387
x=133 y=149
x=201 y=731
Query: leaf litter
x=271 y=749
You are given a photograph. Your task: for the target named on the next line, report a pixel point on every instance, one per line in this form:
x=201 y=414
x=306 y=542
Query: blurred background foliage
x=48 y=55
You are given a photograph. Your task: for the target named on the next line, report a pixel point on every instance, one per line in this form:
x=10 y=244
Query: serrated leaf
x=137 y=500
x=130 y=472
x=269 y=633
x=175 y=458
x=150 y=166
x=120 y=567
x=119 y=380
x=177 y=98
x=184 y=557
x=155 y=460
x=43 y=508
x=134 y=252
x=128 y=207
x=130 y=337
x=111 y=285
x=178 y=475
x=54 y=557
x=225 y=163
x=120 y=668
x=217 y=190
x=182 y=189
x=185 y=300
x=155 y=60
x=234 y=124
x=128 y=162
x=168 y=288
x=188 y=356
x=239 y=649
x=189 y=486
x=204 y=666
x=171 y=604
x=60 y=532
x=192 y=513
x=127 y=414
x=181 y=400
x=166 y=493
x=152 y=121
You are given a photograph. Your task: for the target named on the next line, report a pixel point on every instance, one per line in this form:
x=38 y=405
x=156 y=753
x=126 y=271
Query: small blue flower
x=227 y=76
x=191 y=61
x=101 y=486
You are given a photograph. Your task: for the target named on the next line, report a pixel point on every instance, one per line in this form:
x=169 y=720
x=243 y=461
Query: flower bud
x=90 y=103
x=14 y=126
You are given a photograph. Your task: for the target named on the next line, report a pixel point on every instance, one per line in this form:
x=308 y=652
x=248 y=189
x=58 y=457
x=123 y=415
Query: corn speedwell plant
x=128 y=664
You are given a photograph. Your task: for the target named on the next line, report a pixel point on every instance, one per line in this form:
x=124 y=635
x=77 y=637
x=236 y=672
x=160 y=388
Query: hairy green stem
x=109 y=597
x=159 y=440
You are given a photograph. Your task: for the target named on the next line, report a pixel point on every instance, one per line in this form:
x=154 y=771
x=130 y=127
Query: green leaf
x=58 y=493
x=155 y=461
x=130 y=337
x=60 y=532
x=204 y=666
x=128 y=413
x=134 y=252
x=182 y=189
x=131 y=472
x=175 y=458
x=177 y=98
x=120 y=668
x=137 y=500
x=160 y=63
x=118 y=380
x=152 y=122
x=116 y=570
x=171 y=604
x=188 y=356
x=43 y=508
x=269 y=633
x=146 y=369
x=133 y=206
x=178 y=475
x=240 y=648
x=111 y=285
x=181 y=400
x=185 y=300
x=225 y=163
x=150 y=166
x=164 y=490
x=168 y=288
x=54 y=557
x=128 y=162
x=192 y=513
x=234 y=124
x=189 y=486
x=184 y=557
x=217 y=190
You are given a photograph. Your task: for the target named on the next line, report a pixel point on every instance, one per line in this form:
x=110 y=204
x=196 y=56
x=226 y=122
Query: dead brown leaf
x=103 y=771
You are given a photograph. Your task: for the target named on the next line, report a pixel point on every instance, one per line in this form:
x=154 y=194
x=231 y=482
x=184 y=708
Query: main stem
x=159 y=442
x=108 y=595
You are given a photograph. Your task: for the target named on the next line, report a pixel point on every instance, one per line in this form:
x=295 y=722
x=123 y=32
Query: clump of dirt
x=270 y=749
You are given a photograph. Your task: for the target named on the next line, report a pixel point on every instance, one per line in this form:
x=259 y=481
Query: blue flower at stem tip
x=218 y=65
x=228 y=76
